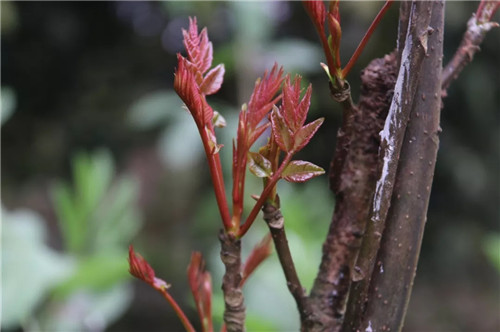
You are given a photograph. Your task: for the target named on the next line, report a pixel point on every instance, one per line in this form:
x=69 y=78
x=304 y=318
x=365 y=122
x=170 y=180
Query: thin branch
x=392 y=282
x=183 y=318
x=477 y=27
x=276 y=223
x=390 y=146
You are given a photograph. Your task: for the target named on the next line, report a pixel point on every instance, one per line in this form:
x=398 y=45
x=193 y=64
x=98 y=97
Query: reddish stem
x=177 y=309
x=215 y=167
x=365 y=39
x=238 y=190
x=264 y=195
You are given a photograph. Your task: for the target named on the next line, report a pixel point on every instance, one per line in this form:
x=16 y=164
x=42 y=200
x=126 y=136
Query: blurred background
x=97 y=153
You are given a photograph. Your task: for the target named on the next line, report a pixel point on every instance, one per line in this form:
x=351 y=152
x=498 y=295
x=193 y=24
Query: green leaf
x=96 y=273
x=118 y=218
x=491 y=247
x=68 y=217
x=301 y=171
x=258 y=165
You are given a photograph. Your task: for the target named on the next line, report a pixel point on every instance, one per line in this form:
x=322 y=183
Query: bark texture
x=413 y=52
x=358 y=141
x=234 y=313
x=392 y=282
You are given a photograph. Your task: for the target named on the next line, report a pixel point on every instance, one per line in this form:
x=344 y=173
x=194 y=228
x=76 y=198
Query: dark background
x=78 y=71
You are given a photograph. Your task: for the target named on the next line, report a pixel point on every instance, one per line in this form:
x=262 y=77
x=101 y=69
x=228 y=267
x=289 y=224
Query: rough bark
x=234 y=313
x=413 y=52
x=392 y=282
x=353 y=188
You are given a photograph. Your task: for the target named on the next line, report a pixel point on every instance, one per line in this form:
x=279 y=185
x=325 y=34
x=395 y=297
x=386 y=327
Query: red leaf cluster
x=261 y=102
x=192 y=82
x=317 y=12
x=288 y=120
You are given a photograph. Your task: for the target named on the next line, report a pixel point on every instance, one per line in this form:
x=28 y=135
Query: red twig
x=366 y=37
x=183 y=318
x=215 y=167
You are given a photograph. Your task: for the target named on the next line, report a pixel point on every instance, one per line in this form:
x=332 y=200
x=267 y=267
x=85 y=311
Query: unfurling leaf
x=212 y=141
x=213 y=80
x=218 y=120
x=305 y=134
x=258 y=165
x=301 y=171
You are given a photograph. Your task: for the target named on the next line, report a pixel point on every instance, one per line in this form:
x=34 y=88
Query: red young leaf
x=317 y=12
x=301 y=171
x=293 y=109
x=281 y=131
x=261 y=100
x=303 y=107
x=200 y=283
x=305 y=134
x=334 y=9
x=198 y=47
x=213 y=80
x=258 y=254
x=140 y=268
x=187 y=89
x=257 y=133
x=291 y=97
x=336 y=33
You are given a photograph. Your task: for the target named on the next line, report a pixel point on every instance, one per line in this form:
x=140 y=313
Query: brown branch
x=234 y=313
x=477 y=27
x=356 y=180
x=391 y=141
x=274 y=219
x=392 y=282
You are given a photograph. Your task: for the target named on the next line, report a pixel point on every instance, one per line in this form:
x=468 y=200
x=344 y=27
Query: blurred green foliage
x=84 y=287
